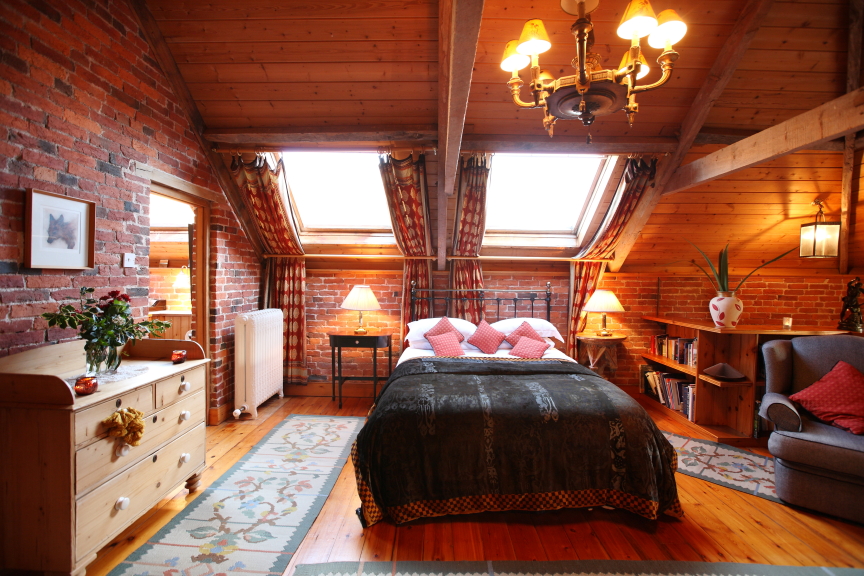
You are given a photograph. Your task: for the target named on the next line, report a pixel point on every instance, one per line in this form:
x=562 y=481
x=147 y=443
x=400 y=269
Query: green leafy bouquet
x=106 y=324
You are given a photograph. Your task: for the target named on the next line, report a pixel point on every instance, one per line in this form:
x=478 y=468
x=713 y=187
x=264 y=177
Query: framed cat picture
x=59 y=231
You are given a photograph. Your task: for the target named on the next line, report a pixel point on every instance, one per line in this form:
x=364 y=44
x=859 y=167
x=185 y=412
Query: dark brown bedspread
x=451 y=435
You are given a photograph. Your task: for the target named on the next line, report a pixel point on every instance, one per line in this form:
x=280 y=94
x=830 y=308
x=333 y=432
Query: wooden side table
x=596 y=349
x=339 y=341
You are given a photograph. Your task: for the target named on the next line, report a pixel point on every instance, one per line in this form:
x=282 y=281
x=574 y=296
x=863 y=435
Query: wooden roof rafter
x=724 y=66
x=458 y=34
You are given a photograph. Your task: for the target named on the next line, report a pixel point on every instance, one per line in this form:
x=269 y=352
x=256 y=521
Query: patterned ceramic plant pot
x=725 y=309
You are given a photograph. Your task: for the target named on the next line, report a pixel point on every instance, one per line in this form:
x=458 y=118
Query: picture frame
x=59 y=231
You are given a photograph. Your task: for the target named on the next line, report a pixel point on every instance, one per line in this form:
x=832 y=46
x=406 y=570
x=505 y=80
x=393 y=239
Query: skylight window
x=337 y=190
x=539 y=192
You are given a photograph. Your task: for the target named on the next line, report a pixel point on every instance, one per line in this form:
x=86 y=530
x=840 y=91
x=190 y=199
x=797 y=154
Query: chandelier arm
x=515 y=84
x=667 y=73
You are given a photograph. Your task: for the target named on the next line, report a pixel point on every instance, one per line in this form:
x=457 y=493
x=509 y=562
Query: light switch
x=128 y=260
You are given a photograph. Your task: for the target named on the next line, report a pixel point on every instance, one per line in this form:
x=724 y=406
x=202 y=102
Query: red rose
x=124 y=297
x=114 y=294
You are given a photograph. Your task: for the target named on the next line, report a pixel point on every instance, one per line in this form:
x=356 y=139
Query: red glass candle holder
x=178 y=356
x=85 y=385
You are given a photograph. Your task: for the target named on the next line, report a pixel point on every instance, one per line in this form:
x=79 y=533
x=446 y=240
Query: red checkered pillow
x=524 y=329
x=527 y=347
x=486 y=338
x=442 y=327
x=446 y=344
x=838 y=398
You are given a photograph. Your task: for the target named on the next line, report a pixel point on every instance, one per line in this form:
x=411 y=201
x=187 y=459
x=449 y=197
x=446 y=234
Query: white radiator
x=258 y=359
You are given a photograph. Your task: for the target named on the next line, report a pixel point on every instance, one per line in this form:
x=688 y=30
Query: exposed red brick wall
x=812 y=301
x=235 y=278
x=82 y=101
x=162 y=288
x=325 y=292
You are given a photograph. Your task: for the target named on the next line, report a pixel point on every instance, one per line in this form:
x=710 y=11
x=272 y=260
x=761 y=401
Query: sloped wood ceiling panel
x=267 y=63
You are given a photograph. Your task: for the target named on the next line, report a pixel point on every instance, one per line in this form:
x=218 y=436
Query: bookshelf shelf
x=724 y=410
x=724 y=383
x=691 y=370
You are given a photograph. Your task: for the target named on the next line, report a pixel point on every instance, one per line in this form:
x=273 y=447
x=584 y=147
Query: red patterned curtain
x=408 y=201
x=263 y=188
x=468 y=237
x=638 y=175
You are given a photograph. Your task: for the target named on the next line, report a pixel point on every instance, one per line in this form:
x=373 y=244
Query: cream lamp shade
x=534 y=40
x=670 y=30
x=638 y=21
x=512 y=61
x=361 y=298
x=603 y=301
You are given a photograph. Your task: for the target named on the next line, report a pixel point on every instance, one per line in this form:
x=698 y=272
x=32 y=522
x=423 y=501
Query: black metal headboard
x=484 y=299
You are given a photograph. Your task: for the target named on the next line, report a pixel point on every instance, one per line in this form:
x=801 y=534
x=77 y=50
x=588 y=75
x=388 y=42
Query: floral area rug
x=253 y=518
x=725 y=465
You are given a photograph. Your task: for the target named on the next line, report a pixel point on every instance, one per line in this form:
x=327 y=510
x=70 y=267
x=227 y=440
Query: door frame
x=201 y=267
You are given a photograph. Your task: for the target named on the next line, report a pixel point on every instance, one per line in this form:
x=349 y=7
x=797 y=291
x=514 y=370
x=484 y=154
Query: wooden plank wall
x=758 y=211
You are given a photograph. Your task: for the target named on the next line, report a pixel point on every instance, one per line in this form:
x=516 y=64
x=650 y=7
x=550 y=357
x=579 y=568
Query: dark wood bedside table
x=595 y=349
x=376 y=341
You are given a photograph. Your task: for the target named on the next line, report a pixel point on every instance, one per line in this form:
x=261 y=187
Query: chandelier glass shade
x=592 y=91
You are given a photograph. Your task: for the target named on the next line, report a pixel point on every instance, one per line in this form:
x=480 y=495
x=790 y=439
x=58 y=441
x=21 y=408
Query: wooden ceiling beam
x=853 y=81
x=841 y=116
x=728 y=59
x=295 y=134
x=458 y=33
x=726 y=139
x=163 y=56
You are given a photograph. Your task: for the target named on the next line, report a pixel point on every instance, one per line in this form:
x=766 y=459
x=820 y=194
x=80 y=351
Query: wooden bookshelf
x=726 y=409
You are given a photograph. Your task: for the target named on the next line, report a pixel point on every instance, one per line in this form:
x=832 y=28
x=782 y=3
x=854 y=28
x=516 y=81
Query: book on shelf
x=658 y=344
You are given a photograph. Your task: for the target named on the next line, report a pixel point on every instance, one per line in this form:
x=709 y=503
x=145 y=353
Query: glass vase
x=95 y=356
x=102 y=359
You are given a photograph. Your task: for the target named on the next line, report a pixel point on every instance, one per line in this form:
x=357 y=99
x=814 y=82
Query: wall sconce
x=820 y=239
x=182 y=280
x=603 y=301
x=360 y=298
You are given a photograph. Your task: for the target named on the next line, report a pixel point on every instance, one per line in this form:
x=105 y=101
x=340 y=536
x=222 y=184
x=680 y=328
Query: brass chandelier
x=593 y=91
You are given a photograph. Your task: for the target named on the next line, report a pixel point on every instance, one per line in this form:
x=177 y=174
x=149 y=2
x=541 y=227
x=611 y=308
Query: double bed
x=493 y=432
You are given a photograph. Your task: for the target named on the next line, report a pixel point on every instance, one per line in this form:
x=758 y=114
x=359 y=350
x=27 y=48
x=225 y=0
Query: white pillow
x=418 y=328
x=542 y=327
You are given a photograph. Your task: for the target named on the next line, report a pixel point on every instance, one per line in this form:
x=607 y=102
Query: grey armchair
x=817 y=466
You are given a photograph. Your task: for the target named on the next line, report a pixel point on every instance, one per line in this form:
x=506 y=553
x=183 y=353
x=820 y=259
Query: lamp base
x=604 y=333
x=360 y=330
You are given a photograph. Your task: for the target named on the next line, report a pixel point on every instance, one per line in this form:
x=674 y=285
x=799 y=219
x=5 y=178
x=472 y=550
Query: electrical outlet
x=128 y=260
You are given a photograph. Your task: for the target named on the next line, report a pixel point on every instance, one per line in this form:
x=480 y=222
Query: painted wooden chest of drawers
x=66 y=488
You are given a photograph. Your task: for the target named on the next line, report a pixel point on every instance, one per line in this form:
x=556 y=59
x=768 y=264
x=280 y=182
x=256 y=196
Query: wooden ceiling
x=369 y=73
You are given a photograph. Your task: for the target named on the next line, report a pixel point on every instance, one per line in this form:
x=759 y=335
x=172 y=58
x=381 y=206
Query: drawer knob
x=185 y=415
x=122 y=503
x=185 y=458
x=356 y=342
x=122 y=450
x=185 y=387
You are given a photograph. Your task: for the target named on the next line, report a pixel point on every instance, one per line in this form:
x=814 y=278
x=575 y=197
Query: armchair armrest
x=781 y=411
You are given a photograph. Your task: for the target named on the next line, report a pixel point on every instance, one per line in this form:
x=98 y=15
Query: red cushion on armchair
x=837 y=397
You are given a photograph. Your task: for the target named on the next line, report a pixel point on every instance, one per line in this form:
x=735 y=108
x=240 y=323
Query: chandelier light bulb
x=512 y=61
x=534 y=39
x=638 y=21
x=670 y=30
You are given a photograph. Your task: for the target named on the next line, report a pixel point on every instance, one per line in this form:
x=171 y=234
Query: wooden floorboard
x=720 y=525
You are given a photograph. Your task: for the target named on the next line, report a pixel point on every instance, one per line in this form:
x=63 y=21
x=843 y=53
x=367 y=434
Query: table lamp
x=360 y=298
x=603 y=301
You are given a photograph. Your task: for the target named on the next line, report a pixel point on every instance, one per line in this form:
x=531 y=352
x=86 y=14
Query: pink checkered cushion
x=486 y=338
x=442 y=327
x=527 y=347
x=524 y=329
x=446 y=344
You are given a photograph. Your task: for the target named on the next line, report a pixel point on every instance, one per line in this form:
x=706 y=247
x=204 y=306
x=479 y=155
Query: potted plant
x=726 y=308
x=106 y=324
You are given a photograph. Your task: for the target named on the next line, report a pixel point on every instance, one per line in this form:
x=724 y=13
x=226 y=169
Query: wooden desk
x=339 y=341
